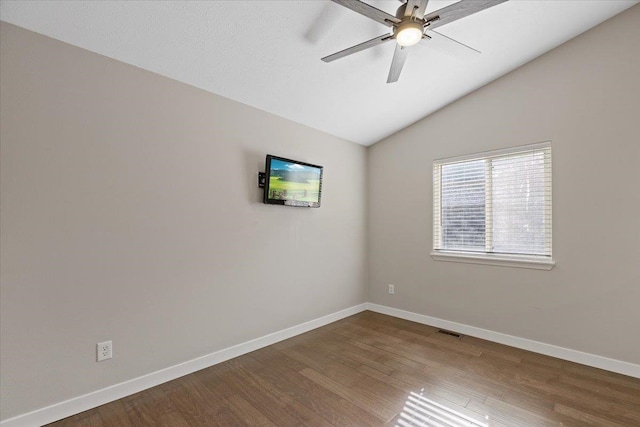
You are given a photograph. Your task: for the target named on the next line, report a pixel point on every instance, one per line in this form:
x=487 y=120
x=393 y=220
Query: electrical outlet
x=392 y=289
x=105 y=350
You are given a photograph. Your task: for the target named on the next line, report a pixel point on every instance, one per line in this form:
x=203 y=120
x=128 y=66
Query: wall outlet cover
x=104 y=350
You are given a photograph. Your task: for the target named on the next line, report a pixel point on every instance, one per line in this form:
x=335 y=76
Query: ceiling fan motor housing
x=409 y=33
x=410 y=30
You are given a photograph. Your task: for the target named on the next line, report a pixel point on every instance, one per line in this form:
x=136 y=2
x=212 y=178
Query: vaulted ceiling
x=267 y=53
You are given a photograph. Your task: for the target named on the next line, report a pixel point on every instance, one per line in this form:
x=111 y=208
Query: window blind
x=495 y=202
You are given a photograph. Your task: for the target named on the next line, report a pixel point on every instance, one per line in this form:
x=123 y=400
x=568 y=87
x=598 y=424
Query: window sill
x=518 y=261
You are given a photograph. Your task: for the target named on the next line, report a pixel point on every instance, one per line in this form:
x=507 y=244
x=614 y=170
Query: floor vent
x=453 y=334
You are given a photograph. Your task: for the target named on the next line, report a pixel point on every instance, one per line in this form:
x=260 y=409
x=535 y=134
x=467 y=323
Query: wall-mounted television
x=292 y=183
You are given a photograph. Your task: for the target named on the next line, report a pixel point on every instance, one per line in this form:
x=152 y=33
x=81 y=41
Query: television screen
x=292 y=183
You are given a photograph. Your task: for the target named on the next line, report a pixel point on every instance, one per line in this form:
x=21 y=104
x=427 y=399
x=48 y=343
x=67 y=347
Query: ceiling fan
x=410 y=26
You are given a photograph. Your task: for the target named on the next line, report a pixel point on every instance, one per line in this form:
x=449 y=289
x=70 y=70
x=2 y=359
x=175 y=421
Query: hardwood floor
x=375 y=370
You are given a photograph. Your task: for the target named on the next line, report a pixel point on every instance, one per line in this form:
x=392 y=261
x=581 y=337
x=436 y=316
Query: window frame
x=539 y=262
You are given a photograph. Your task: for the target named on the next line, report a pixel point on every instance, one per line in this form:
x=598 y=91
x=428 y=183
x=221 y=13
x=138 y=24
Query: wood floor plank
x=198 y=404
x=632 y=396
x=278 y=406
x=511 y=414
x=147 y=407
x=172 y=419
x=221 y=394
x=584 y=418
x=375 y=370
x=360 y=398
x=249 y=413
x=332 y=407
x=84 y=419
x=113 y=414
x=363 y=357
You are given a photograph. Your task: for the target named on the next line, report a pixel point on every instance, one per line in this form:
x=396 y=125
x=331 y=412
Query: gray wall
x=130 y=212
x=583 y=96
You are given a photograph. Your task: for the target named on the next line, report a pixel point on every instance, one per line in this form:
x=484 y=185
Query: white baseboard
x=588 y=359
x=79 y=404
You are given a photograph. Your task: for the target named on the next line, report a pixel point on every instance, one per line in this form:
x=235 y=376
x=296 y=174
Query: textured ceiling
x=267 y=53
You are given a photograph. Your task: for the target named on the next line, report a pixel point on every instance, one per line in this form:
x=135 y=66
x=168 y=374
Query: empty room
x=320 y=213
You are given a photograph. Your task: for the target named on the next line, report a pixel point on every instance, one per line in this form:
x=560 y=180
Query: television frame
x=289 y=202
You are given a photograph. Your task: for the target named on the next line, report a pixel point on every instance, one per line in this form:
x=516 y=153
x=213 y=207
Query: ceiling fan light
x=409 y=34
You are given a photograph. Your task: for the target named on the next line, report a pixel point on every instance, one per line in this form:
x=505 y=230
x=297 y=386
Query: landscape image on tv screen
x=294 y=181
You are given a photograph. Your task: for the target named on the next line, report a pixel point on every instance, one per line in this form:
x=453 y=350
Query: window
x=494 y=207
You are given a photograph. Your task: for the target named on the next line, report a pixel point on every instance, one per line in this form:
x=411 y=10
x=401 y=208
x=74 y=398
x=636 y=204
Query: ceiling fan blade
x=399 y=56
x=447 y=45
x=369 y=11
x=459 y=10
x=359 y=47
x=416 y=8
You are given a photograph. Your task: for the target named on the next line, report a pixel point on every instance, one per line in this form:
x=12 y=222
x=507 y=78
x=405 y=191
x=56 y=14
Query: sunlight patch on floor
x=420 y=411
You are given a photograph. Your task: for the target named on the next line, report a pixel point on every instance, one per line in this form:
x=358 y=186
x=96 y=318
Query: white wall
x=130 y=212
x=584 y=97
